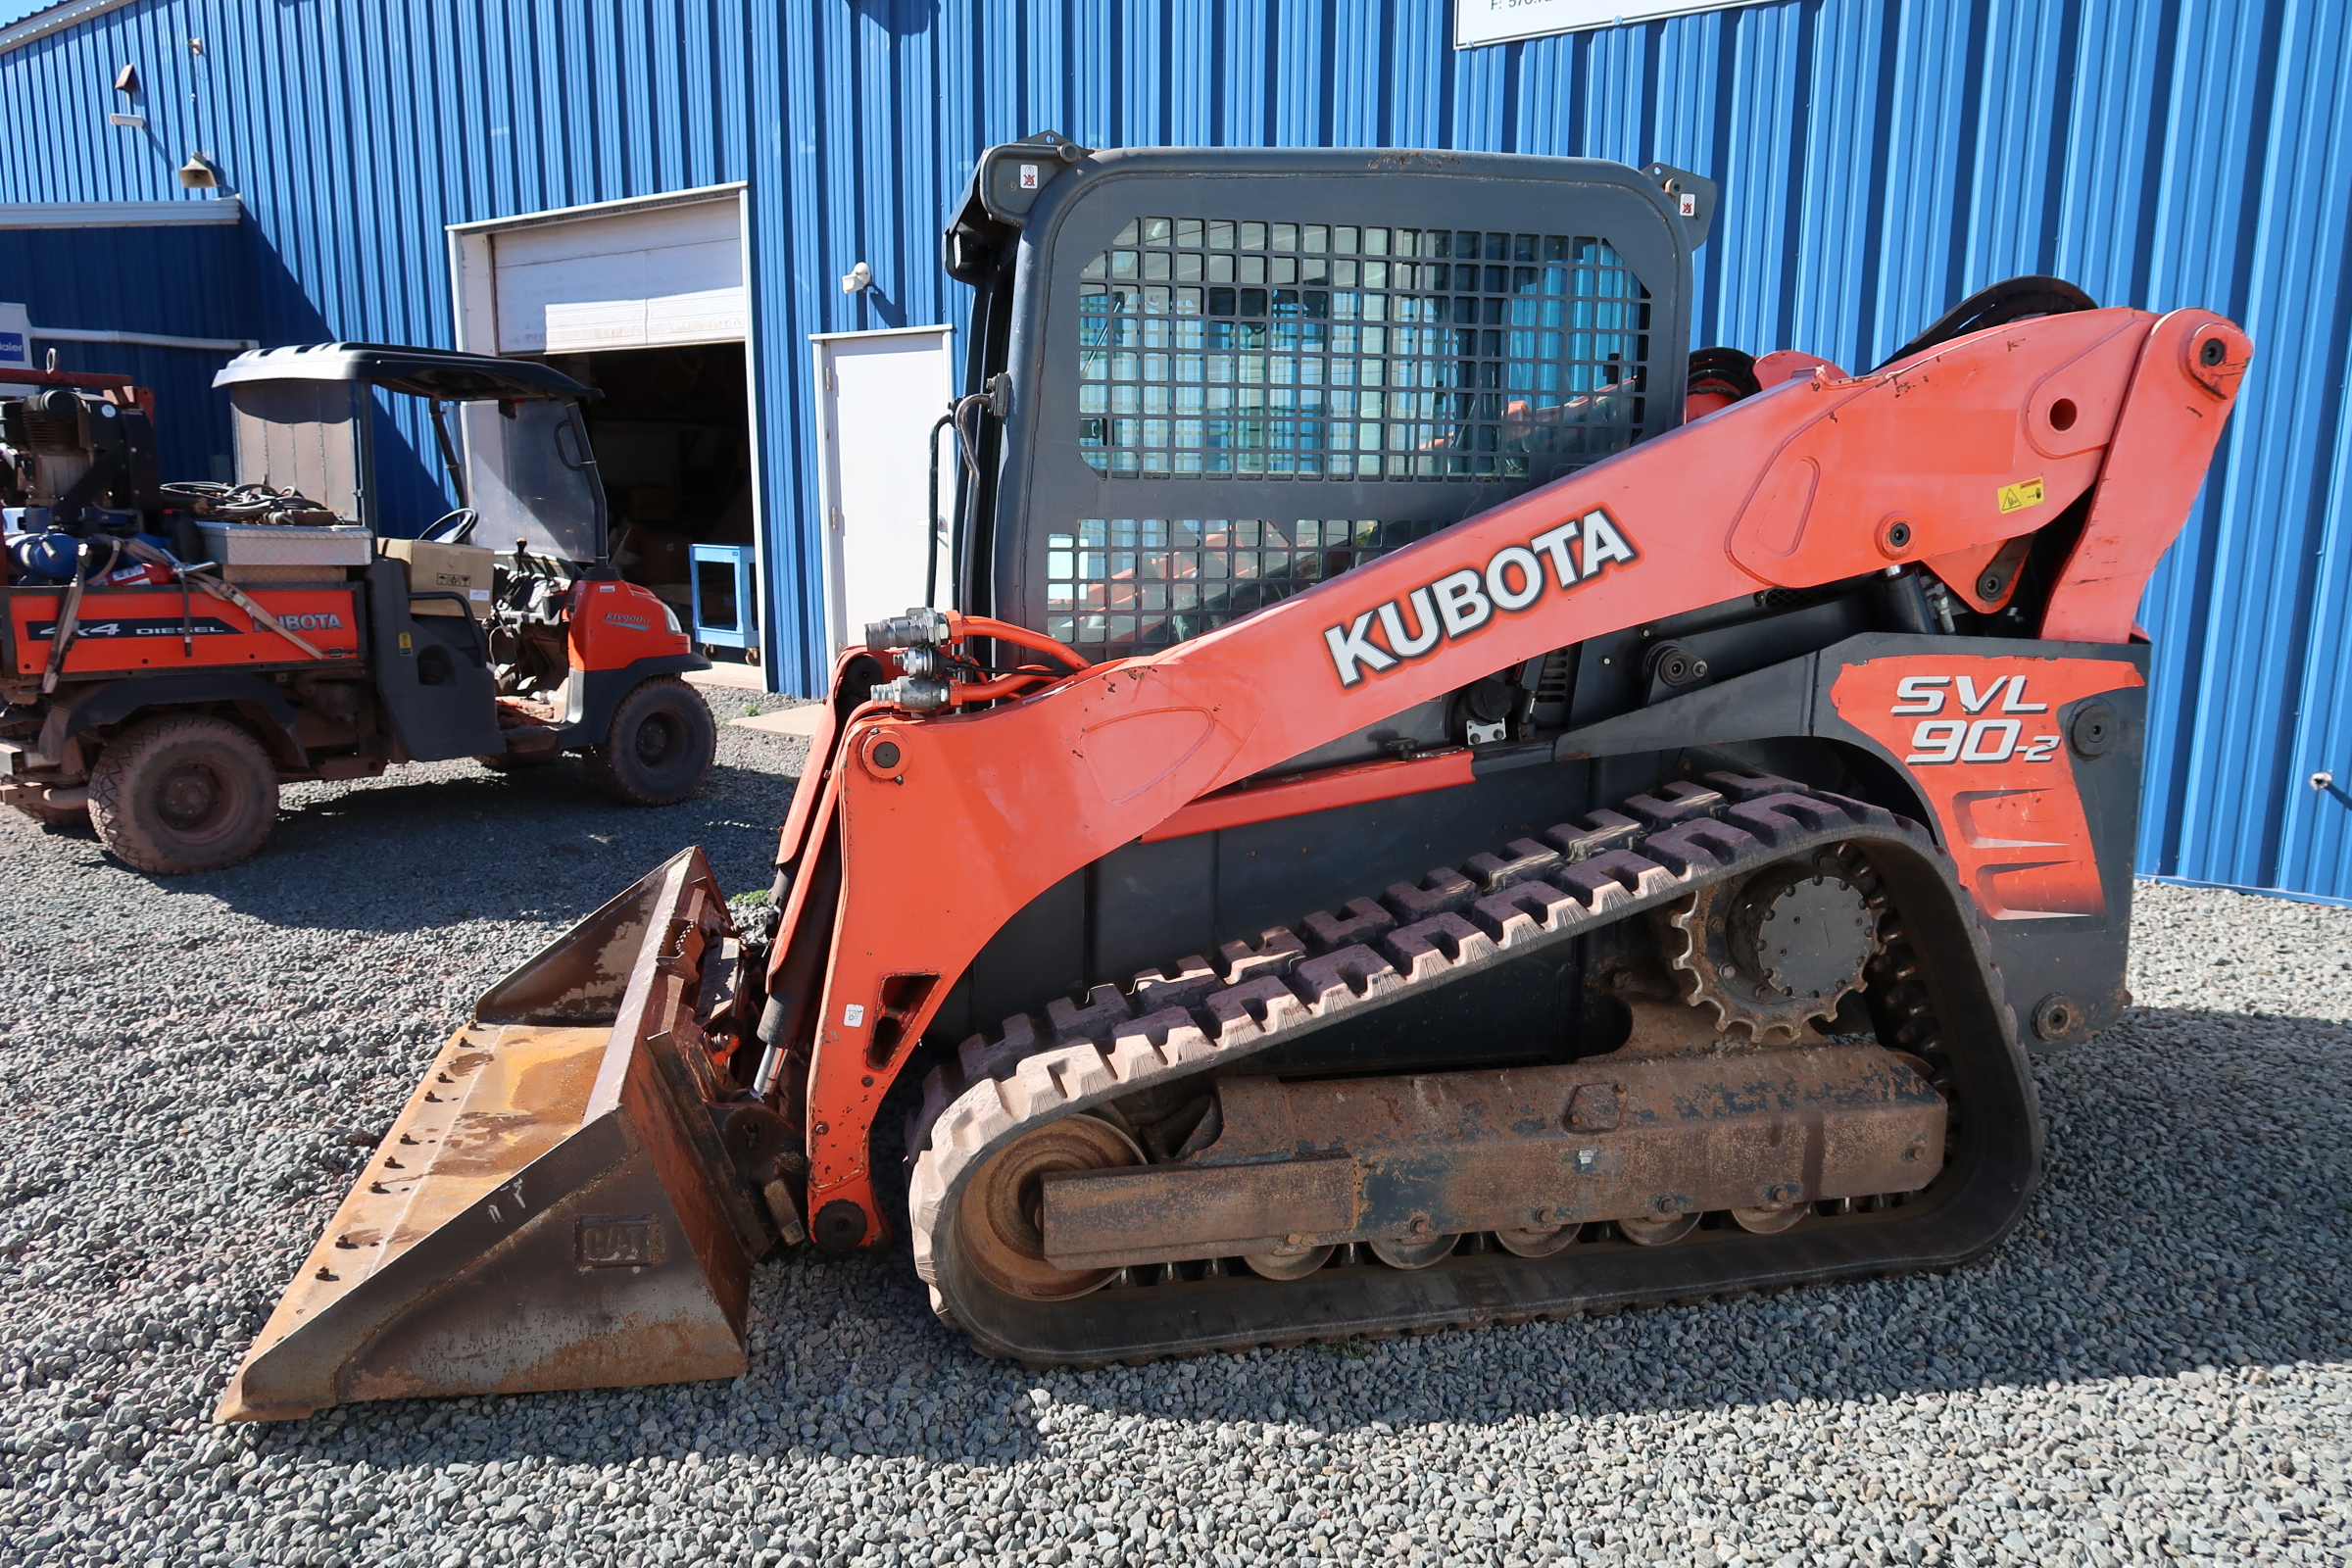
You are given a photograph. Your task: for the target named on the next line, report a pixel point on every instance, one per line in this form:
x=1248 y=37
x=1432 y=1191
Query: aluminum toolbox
x=262 y=544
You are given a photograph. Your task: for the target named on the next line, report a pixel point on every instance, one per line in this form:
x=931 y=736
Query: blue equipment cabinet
x=723 y=597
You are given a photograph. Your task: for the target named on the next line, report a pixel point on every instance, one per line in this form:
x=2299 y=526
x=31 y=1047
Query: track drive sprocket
x=1781 y=950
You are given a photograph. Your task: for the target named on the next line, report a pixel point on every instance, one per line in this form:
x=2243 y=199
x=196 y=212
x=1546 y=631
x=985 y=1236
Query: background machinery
x=172 y=652
x=1434 y=807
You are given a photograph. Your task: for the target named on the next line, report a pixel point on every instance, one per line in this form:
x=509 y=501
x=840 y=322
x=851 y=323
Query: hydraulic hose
x=932 y=518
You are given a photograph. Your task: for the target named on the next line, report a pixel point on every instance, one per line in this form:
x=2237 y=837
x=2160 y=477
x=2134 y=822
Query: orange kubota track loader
x=1437 y=807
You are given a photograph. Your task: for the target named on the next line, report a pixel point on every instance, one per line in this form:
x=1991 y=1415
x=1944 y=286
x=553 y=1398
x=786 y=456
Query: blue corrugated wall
x=1879 y=158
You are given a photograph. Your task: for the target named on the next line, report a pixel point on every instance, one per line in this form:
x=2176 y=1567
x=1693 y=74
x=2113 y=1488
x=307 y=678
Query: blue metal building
x=1878 y=160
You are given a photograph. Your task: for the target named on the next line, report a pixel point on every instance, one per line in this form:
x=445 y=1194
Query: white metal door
x=879 y=395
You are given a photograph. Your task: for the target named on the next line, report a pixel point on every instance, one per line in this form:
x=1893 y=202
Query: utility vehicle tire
x=63 y=819
x=184 y=793
x=660 y=748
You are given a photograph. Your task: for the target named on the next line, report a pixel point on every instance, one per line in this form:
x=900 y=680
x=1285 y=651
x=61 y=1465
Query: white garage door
x=633 y=280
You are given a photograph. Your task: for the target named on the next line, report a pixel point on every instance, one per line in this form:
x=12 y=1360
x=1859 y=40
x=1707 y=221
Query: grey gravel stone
x=2155 y=1369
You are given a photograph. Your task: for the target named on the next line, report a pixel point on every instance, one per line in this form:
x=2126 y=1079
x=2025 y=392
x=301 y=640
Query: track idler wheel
x=1773 y=1218
x=1000 y=1226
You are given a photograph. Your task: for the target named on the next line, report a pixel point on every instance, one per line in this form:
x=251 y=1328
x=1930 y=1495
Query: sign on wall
x=1485 y=22
x=16 y=337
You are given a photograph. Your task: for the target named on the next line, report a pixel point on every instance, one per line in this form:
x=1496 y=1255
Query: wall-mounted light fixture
x=127 y=82
x=198 y=172
x=858 y=280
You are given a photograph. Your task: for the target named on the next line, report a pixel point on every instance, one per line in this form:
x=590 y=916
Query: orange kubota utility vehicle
x=1437 y=807
x=188 y=647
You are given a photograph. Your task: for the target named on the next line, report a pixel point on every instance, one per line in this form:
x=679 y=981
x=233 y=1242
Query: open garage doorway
x=645 y=300
x=672 y=435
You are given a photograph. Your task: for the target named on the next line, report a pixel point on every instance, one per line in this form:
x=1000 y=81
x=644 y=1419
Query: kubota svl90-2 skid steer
x=1437 y=807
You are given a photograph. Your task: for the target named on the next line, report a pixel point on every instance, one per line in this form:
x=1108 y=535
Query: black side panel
x=431 y=673
x=1040 y=952
x=1272 y=873
x=2085 y=973
x=1143 y=892
x=2064 y=976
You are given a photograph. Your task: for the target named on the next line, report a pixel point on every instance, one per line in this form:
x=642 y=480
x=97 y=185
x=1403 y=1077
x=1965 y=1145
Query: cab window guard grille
x=1120 y=586
x=1221 y=348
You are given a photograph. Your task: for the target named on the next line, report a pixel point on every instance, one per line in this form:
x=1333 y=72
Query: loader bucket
x=555 y=1207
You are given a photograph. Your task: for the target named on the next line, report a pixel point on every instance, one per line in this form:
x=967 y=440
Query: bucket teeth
x=546 y=1211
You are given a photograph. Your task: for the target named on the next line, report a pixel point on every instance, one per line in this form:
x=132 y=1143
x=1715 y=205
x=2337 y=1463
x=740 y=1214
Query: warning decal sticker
x=2021 y=495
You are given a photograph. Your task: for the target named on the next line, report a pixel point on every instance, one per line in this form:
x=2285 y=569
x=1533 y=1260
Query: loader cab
x=1206 y=379
x=304 y=418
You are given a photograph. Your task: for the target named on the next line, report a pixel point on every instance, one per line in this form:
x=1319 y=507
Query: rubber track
x=1458 y=921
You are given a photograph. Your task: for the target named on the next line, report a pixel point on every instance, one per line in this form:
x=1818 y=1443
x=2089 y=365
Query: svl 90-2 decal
x=1463 y=603
x=1969 y=738
x=1984 y=739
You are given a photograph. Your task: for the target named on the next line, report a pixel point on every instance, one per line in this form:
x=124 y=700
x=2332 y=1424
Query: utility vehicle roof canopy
x=303 y=418
x=442 y=373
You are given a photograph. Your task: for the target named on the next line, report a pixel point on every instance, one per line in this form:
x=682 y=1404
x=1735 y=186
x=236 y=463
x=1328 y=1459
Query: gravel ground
x=2156 y=1368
